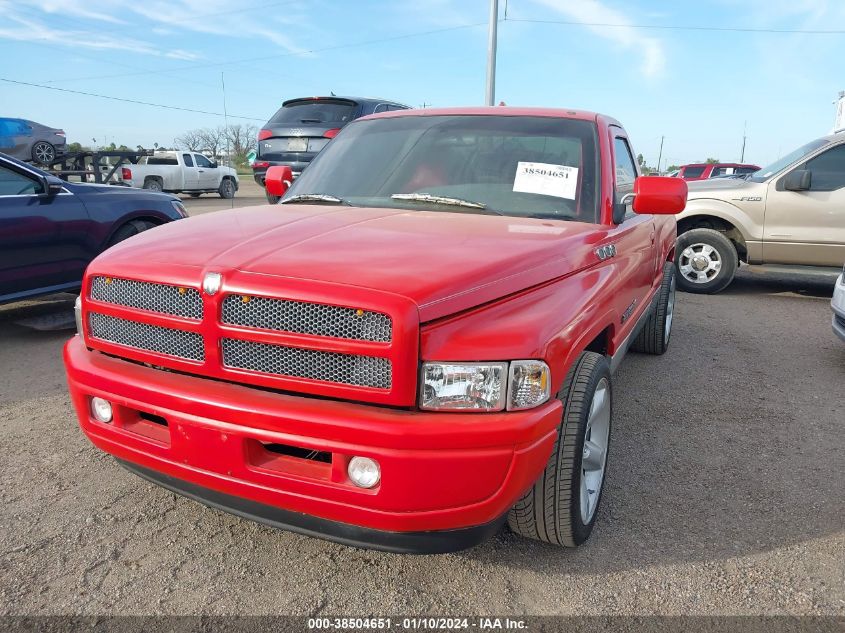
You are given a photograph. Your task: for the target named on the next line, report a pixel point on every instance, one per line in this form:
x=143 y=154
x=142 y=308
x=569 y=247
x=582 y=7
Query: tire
x=654 y=337
x=706 y=261
x=555 y=509
x=271 y=198
x=226 y=189
x=133 y=227
x=153 y=184
x=43 y=153
x=195 y=195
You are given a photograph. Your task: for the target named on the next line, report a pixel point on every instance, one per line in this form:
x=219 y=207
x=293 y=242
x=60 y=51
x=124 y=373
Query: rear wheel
x=561 y=507
x=706 y=261
x=133 y=227
x=43 y=153
x=271 y=198
x=226 y=189
x=153 y=184
x=654 y=337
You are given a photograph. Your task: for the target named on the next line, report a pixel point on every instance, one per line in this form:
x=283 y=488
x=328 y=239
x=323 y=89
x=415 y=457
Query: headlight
x=180 y=208
x=475 y=386
x=522 y=384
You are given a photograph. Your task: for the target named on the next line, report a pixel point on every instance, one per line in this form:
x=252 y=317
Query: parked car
x=788 y=214
x=50 y=229
x=838 y=305
x=182 y=172
x=703 y=171
x=31 y=141
x=302 y=127
x=353 y=364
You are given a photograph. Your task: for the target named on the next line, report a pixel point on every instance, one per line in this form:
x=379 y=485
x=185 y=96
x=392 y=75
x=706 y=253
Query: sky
x=697 y=88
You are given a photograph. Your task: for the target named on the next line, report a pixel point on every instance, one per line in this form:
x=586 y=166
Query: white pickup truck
x=178 y=172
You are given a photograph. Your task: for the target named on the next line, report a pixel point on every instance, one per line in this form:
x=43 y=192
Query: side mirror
x=798 y=180
x=51 y=186
x=659 y=195
x=278 y=179
x=213 y=164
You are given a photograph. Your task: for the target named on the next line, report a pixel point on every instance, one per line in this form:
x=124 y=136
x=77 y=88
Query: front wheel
x=271 y=198
x=226 y=189
x=561 y=507
x=706 y=261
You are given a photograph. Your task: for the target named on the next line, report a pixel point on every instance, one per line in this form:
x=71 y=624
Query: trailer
x=92 y=166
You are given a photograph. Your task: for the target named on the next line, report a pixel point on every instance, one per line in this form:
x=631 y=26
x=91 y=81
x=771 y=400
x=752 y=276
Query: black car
x=51 y=229
x=302 y=127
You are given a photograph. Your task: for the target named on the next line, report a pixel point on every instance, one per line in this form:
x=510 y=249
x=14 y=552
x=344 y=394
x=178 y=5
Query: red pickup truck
x=415 y=345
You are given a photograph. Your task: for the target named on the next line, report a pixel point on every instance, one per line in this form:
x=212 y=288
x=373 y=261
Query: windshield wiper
x=427 y=197
x=314 y=197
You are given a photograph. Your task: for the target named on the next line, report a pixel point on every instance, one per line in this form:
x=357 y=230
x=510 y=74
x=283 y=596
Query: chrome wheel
x=594 y=455
x=699 y=263
x=43 y=152
x=670 y=311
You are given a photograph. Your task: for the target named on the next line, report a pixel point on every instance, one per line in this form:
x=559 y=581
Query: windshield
x=770 y=170
x=338 y=112
x=510 y=165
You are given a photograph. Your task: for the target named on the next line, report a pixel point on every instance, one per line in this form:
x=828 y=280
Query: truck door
x=634 y=238
x=39 y=246
x=207 y=172
x=190 y=171
x=808 y=227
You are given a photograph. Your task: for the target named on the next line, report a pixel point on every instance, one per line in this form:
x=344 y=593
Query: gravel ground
x=724 y=496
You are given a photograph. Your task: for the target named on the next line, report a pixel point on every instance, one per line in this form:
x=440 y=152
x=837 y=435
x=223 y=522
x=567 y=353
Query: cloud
x=26 y=30
x=650 y=49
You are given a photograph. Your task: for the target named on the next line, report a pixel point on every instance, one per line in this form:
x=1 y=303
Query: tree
x=640 y=160
x=190 y=140
x=673 y=168
x=710 y=161
x=212 y=140
x=241 y=137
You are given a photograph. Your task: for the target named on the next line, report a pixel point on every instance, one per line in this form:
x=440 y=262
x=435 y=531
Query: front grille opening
x=299 y=452
x=150 y=417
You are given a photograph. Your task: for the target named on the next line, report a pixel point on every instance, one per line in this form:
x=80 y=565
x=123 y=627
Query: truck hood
x=716 y=187
x=445 y=262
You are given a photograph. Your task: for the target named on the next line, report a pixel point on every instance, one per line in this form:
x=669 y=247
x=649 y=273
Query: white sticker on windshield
x=559 y=181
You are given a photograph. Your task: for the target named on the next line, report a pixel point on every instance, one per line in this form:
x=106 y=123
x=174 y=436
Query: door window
x=13 y=184
x=202 y=161
x=625 y=170
x=828 y=170
x=189 y=162
x=693 y=172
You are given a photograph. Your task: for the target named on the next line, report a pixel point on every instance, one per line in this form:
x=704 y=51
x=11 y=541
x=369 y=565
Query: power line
x=146 y=103
x=680 y=27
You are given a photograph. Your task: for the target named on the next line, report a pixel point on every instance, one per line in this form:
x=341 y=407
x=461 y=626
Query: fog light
x=101 y=409
x=364 y=472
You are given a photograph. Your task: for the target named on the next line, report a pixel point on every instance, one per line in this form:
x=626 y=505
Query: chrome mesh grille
x=152 y=338
x=365 y=371
x=307 y=318
x=163 y=298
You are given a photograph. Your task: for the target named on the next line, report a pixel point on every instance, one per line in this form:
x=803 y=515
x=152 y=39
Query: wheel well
x=600 y=344
x=159 y=178
x=716 y=224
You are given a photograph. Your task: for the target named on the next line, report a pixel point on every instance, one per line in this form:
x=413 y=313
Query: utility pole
x=491 y=52
x=742 y=154
x=660 y=155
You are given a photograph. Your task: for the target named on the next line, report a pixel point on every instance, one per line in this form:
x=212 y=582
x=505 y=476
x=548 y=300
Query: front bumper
x=838 y=305
x=447 y=479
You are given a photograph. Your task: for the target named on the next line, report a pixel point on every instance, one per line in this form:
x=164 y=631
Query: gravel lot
x=725 y=495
